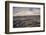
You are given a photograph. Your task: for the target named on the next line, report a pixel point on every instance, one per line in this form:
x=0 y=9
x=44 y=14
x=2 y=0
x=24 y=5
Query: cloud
x=23 y=11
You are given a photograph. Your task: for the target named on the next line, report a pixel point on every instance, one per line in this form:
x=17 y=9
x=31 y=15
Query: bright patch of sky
x=23 y=11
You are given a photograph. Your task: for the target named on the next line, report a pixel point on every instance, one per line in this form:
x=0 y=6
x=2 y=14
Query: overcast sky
x=22 y=11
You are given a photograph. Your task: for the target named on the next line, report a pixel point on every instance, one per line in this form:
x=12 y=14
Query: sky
x=23 y=11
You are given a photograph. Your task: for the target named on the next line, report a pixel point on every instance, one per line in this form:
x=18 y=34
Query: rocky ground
x=26 y=21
